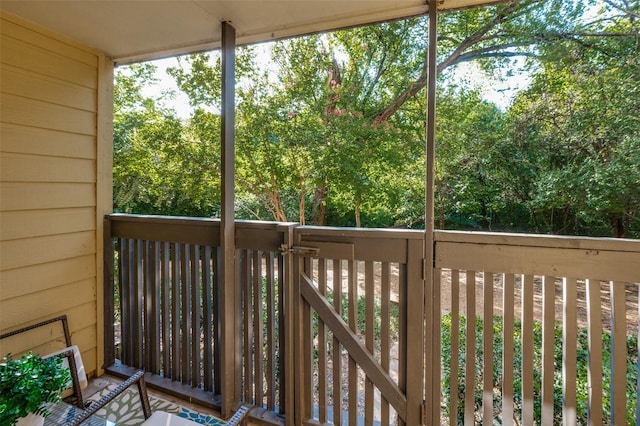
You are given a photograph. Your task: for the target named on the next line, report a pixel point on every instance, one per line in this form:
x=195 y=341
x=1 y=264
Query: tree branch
x=476 y=55
x=510 y=12
x=624 y=10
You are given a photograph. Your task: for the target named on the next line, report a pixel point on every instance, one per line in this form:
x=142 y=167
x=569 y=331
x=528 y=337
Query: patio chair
x=72 y=360
x=73 y=395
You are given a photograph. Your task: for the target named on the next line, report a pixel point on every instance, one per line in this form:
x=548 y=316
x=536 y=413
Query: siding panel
x=34 y=223
x=23 y=281
x=25 y=56
x=30 y=85
x=29 y=140
x=29 y=112
x=32 y=251
x=30 y=168
x=49 y=302
x=38 y=39
x=33 y=196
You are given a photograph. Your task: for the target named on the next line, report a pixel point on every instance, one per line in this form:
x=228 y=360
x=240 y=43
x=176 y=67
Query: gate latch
x=300 y=250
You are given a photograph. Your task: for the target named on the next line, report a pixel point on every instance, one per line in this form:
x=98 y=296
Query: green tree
x=580 y=123
x=159 y=166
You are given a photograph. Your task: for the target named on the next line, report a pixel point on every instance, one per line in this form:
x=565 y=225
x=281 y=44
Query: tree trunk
x=301 y=205
x=619 y=228
x=319 y=215
x=483 y=212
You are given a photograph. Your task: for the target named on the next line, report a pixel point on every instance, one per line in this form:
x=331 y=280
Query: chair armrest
x=239 y=417
x=137 y=378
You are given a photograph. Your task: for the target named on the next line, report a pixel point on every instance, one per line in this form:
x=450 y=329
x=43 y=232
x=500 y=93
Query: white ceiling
x=134 y=30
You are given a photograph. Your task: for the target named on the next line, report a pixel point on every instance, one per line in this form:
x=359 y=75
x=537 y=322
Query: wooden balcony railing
x=527 y=329
x=555 y=332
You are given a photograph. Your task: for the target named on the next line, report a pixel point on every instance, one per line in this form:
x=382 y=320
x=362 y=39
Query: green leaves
x=331 y=131
x=28 y=384
x=162 y=165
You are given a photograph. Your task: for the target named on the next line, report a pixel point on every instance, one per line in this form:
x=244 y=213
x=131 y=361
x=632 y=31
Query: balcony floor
x=101 y=385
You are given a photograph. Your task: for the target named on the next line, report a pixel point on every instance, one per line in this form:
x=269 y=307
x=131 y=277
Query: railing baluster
x=369 y=338
x=470 y=361
x=207 y=320
x=618 y=354
x=436 y=332
x=569 y=337
x=155 y=342
x=137 y=300
x=352 y=312
x=175 y=312
x=196 y=311
x=258 y=344
x=146 y=301
x=508 y=348
x=337 y=354
x=548 y=347
x=123 y=277
x=217 y=349
x=322 y=347
x=307 y=342
x=385 y=320
x=245 y=282
x=403 y=286
x=165 y=329
x=455 y=347
x=487 y=398
x=594 y=329
x=282 y=341
x=271 y=348
x=184 y=314
x=527 y=350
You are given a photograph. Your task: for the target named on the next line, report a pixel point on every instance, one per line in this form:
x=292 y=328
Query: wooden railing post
x=288 y=385
x=109 y=302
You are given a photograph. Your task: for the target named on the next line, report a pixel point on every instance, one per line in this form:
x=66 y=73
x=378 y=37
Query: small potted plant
x=28 y=385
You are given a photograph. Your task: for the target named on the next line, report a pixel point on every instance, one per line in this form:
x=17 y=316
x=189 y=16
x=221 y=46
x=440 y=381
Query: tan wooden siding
x=34 y=223
x=40 y=195
x=50 y=254
x=56 y=273
x=29 y=140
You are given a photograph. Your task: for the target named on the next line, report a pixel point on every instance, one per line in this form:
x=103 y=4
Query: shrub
x=582 y=362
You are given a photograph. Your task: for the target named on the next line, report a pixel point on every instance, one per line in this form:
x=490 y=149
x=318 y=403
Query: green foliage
x=583 y=121
x=161 y=166
x=28 y=384
x=582 y=363
x=332 y=131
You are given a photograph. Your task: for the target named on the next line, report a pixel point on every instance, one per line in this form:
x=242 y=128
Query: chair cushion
x=82 y=375
x=160 y=418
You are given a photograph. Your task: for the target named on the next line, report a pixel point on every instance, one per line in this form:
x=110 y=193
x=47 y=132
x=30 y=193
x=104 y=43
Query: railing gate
x=359 y=326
